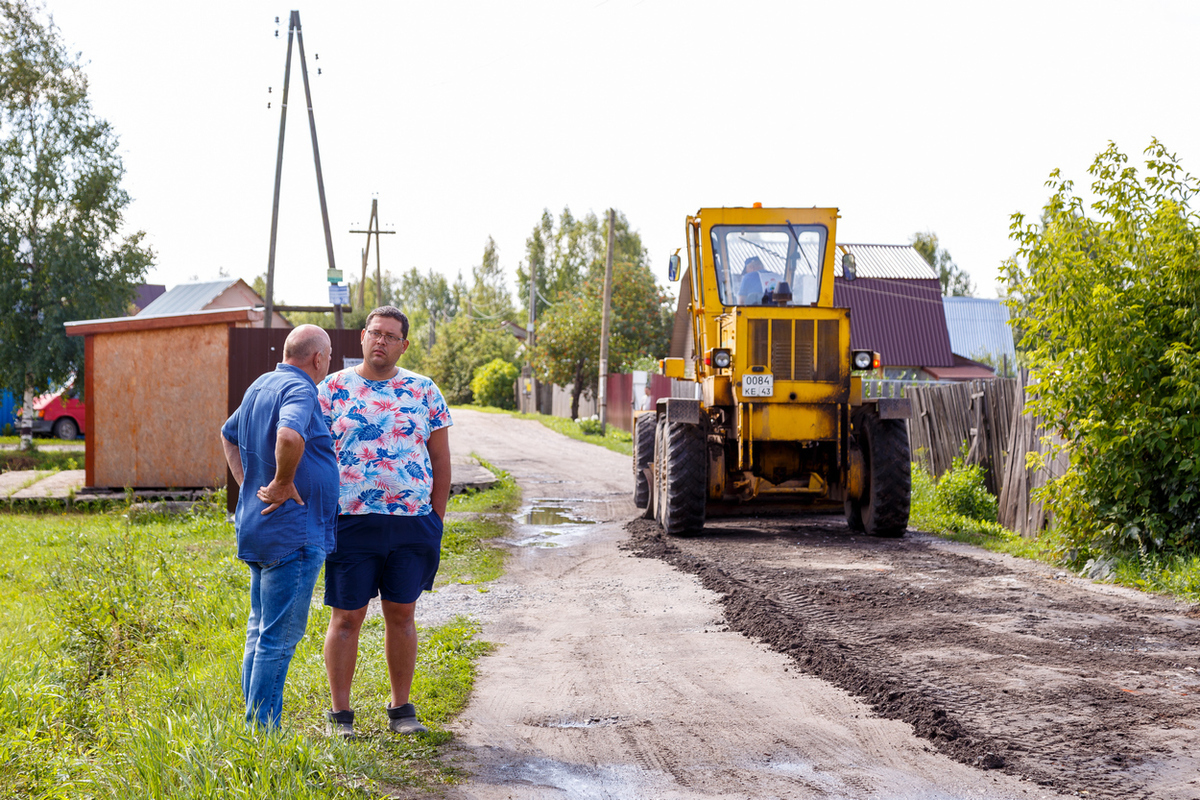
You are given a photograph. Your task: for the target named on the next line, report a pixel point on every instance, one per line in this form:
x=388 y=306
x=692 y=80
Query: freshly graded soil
x=788 y=658
x=998 y=662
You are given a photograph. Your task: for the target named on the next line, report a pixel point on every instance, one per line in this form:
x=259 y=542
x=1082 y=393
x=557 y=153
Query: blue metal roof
x=187 y=297
x=978 y=327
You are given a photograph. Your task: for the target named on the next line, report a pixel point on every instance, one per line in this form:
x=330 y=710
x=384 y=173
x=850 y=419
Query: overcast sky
x=467 y=119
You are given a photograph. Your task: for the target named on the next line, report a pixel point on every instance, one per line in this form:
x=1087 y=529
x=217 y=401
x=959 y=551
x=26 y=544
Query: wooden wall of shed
x=161 y=397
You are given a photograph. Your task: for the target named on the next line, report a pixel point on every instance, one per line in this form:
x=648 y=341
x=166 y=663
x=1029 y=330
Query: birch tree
x=62 y=253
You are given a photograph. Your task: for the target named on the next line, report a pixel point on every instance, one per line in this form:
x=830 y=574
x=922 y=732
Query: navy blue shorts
x=392 y=556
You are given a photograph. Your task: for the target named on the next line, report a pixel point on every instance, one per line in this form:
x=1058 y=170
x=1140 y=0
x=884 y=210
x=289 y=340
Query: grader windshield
x=769 y=265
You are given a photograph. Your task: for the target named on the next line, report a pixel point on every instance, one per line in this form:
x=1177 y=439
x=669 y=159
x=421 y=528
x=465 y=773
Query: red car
x=60 y=413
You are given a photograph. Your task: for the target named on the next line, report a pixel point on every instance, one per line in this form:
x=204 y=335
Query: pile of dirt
x=997 y=665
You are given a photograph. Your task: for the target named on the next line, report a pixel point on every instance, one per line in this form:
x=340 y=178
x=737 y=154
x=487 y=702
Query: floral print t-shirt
x=380 y=430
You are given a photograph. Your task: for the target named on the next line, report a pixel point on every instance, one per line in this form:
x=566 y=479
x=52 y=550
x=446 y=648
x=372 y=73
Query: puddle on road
x=544 y=520
x=554 y=515
x=581 y=782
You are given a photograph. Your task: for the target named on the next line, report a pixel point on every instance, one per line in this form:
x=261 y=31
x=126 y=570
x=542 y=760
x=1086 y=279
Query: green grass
x=121 y=675
x=957 y=507
x=13 y=460
x=466 y=555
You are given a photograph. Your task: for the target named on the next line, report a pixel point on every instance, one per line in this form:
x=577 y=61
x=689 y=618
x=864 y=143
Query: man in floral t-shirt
x=391 y=435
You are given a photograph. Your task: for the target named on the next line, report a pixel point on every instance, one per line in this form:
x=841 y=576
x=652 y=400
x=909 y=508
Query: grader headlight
x=862 y=359
x=721 y=358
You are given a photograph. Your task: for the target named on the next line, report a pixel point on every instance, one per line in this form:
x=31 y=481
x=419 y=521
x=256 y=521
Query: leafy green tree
x=493 y=384
x=570 y=251
x=955 y=282
x=475 y=335
x=1111 y=313
x=62 y=255
x=567 y=350
x=568 y=345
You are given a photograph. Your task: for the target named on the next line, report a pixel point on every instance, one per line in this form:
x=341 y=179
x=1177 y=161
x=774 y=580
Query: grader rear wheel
x=655 y=507
x=685 y=480
x=643 y=454
x=854 y=516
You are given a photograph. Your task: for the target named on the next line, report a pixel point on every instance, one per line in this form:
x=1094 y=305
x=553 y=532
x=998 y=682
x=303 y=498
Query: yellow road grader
x=778 y=421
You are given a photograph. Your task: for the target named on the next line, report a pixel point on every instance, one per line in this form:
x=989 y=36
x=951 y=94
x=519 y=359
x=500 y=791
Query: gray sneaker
x=404 y=720
x=341 y=723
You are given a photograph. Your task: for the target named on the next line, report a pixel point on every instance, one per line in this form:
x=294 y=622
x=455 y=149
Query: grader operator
x=779 y=421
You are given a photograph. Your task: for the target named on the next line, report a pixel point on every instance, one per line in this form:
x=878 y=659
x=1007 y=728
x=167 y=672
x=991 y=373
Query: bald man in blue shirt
x=281 y=453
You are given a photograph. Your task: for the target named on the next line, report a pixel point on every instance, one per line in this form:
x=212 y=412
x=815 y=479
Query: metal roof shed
x=191 y=297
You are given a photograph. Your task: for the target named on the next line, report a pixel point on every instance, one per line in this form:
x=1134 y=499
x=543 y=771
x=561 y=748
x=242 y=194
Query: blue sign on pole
x=339 y=295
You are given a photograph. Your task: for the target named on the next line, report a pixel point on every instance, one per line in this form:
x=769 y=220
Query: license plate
x=758 y=385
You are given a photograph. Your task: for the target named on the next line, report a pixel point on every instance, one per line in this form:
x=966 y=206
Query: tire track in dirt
x=996 y=664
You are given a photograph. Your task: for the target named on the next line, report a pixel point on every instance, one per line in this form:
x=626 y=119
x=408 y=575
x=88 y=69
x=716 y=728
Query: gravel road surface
x=618 y=676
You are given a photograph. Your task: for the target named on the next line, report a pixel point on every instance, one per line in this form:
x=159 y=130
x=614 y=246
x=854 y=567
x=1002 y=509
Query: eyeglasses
x=388 y=339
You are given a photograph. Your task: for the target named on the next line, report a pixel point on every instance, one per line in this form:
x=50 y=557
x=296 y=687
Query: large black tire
x=643 y=454
x=854 y=516
x=885 y=502
x=685 y=482
x=660 y=470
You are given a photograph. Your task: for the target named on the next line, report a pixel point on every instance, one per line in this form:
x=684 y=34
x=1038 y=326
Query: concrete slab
x=57 y=485
x=467 y=475
x=12 y=481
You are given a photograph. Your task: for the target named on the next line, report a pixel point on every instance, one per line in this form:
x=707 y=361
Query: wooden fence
x=989 y=419
x=977 y=415
x=1018 y=510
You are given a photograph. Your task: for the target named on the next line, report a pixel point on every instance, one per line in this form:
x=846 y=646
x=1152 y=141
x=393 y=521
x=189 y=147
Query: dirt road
x=790 y=659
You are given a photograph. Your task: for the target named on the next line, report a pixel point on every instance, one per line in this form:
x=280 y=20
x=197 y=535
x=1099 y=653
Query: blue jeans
x=280 y=596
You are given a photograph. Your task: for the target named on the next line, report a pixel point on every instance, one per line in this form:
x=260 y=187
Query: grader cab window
x=768 y=265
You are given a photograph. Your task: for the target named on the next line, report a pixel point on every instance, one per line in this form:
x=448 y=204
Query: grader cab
x=777 y=421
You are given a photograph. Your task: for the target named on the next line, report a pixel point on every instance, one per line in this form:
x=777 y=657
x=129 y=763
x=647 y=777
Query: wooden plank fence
x=946 y=417
x=1018 y=510
x=989 y=417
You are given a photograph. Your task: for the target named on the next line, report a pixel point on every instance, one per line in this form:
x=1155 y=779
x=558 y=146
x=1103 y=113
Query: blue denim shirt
x=287 y=398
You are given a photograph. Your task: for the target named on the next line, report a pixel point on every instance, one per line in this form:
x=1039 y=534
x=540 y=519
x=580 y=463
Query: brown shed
x=158 y=389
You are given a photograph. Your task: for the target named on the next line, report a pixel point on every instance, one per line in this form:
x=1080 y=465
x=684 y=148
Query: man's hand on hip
x=289 y=449
x=276 y=494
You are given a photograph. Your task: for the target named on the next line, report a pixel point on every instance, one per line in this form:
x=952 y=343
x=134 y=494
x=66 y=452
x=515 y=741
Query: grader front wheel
x=882 y=508
x=684 y=480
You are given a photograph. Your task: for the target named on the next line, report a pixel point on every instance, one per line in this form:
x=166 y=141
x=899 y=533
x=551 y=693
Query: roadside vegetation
x=959 y=507
x=122 y=675
x=1105 y=300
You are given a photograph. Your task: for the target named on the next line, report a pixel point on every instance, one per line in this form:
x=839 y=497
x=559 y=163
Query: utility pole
x=529 y=331
x=372 y=228
x=294 y=27
x=608 y=270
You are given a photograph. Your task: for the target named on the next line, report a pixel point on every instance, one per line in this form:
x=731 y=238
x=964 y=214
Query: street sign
x=333 y=275
x=339 y=295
